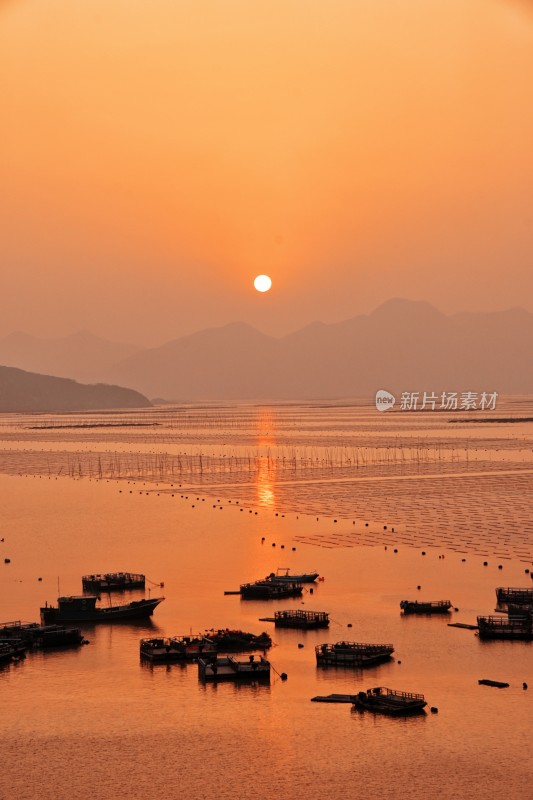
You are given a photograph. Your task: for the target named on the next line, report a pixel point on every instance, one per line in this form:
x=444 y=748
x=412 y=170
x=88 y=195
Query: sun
x=262 y=283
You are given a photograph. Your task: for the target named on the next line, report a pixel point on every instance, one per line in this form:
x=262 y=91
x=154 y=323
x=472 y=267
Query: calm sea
x=361 y=497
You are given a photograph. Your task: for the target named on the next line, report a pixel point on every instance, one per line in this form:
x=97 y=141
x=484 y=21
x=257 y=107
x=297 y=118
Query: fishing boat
x=113 y=582
x=229 y=669
x=270 y=590
x=429 y=607
x=76 y=608
x=518 y=597
x=506 y=628
x=389 y=701
x=232 y=641
x=352 y=654
x=305 y=620
x=282 y=576
x=176 y=648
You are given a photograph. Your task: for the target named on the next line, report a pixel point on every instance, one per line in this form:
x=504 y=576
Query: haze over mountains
x=82 y=355
x=401 y=346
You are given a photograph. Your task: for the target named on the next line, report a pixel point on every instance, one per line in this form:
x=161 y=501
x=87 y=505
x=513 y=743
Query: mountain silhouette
x=27 y=391
x=401 y=346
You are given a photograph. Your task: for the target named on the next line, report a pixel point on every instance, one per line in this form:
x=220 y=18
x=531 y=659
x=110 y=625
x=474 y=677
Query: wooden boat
x=270 y=590
x=306 y=620
x=352 y=654
x=232 y=641
x=83 y=609
x=229 y=669
x=389 y=701
x=40 y=637
x=518 y=597
x=113 y=582
x=489 y=682
x=282 y=576
x=429 y=607
x=189 y=648
x=176 y=648
x=505 y=628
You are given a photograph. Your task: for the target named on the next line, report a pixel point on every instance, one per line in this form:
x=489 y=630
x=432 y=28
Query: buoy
x=395 y=550
x=273 y=544
x=434 y=710
x=419 y=587
x=349 y=625
x=524 y=685
x=423 y=552
x=293 y=549
x=311 y=591
x=284 y=676
x=485 y=563
x=39 y=579
x=456 y=609
x=7 y=561
x=500 y=566
x=384 y=527
x=399 y=662
x=283 y=547
x=300 y=645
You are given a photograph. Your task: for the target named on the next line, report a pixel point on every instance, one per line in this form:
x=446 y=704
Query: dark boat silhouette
x=389 y=701
x=76 y=608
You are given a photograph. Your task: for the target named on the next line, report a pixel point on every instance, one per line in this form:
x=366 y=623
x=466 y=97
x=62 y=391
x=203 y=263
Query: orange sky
x=157 y=154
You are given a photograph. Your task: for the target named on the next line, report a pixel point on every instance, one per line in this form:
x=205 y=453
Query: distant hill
x=82 y=355
x=27 y=391
x=401 y=346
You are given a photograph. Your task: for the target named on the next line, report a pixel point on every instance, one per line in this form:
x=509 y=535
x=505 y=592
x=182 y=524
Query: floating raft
x=429 y=607
x=113 y=582
x=164 y=650
x=352 y=654
x=270 y=590
x=520 y=597
x=40 y=637
x=520 y=628
x=229 y=669
x=389 y=701
x=333 y=698
x=307 y=620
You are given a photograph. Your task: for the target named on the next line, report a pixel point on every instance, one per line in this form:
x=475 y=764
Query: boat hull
x=139 y=609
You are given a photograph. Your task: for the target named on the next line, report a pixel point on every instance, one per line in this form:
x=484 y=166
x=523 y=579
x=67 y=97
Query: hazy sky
x=156 y=155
